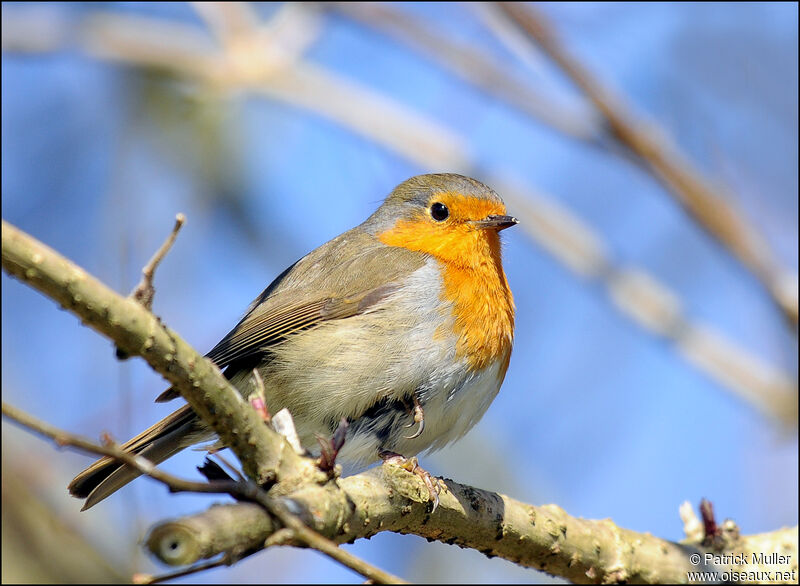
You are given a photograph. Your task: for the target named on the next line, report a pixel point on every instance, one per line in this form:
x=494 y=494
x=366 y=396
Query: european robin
x=405 y=320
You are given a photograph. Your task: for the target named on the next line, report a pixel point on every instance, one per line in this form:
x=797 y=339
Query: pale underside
x=369 y=374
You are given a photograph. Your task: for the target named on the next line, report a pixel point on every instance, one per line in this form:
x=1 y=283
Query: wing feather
x=352 y=287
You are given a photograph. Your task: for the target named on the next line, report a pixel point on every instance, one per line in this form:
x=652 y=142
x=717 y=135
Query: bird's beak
x=496 y=222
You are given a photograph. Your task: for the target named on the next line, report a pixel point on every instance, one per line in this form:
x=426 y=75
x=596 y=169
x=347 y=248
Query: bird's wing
x=306 y=295
x=261 y=329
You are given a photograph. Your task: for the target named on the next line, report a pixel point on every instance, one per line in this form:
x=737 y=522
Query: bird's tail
x=157 y=443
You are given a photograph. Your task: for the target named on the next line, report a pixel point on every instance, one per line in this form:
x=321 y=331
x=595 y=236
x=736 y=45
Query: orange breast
x=474 y=282
x=484 y=310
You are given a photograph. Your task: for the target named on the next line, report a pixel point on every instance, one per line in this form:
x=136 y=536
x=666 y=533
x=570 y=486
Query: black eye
x=439 y=212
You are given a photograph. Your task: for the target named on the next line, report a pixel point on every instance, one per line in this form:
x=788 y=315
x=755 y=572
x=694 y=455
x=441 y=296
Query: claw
x=419 y=430
x=412 y=465
x=433 y=488
x=419 y=417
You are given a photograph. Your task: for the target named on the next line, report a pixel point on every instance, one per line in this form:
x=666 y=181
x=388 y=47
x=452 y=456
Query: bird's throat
x=483 y=308
x=473 y=282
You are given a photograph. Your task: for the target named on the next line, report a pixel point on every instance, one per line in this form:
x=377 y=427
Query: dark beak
x=497 y=222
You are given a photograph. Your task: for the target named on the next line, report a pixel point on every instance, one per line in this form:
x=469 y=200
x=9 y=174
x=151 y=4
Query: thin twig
x=323 y=544
x=264 y=454
x=144 y=291
x=63 y=438
x=675 y=171
x=225 y=560
x=245 y=489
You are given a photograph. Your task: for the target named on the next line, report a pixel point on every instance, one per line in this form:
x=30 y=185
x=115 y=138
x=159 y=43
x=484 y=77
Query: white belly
x=450 y=411
x=368 y=367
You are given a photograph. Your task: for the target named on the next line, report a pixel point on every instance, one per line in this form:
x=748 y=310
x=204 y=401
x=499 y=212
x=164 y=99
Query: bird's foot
x=412 y=465
x=419 y=418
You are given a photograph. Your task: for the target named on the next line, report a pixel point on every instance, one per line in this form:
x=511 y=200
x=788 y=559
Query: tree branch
x=264 y=454
x=145 y=291
x=545 y=538
x=686 y=184
x=293 y=529
x=384 y=499
x=476 y=67
x=143 y=465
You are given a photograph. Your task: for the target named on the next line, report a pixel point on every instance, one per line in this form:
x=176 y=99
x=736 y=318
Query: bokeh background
x=650 y=366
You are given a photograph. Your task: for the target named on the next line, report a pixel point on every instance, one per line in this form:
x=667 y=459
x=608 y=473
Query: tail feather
x=157 y=443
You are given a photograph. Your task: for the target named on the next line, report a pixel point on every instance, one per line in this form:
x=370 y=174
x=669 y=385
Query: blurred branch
x=185 y=51
x=141 y=578
x=241 y=489
x=650 y=303
x=304 y=85
x=667 y=163
x=473 y=66
x=40 y=543
x=37 y=29
x=255 y=50
x=231 y=22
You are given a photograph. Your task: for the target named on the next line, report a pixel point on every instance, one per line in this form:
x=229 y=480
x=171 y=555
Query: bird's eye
x=439 y=212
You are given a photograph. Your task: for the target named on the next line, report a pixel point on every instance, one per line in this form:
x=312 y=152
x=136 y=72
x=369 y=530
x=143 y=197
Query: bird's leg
x=329 y=447
x=412 y=465
x=419 y=417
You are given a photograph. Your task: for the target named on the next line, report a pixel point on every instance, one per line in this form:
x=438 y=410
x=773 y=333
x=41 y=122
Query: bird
x=405 y=320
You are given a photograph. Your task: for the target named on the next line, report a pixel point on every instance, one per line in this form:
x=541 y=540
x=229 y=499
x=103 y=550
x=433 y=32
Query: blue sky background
x=596 y=415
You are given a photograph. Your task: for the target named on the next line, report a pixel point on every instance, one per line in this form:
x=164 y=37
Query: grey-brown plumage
x=354 y=329
x=273 y=316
